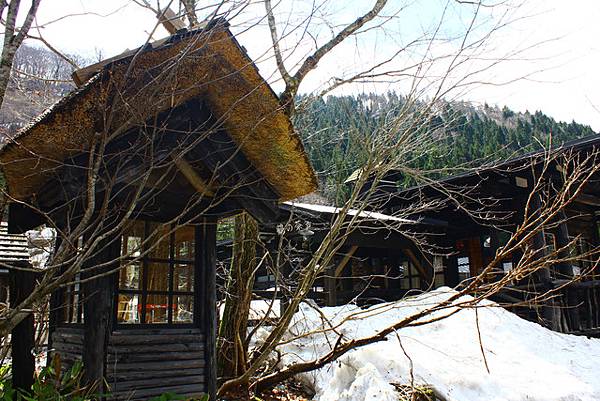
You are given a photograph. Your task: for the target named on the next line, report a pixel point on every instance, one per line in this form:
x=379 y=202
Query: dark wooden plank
x=65 y=347
x=154 y=357
x=23 y=335
x=194 y=389
x=156 y=339
x=68 y=357
x=125 y=376
x=155 y=348
x=131 y=367
x=68 y=337
x=152 y=382
x=98 y=311
x=207 y=256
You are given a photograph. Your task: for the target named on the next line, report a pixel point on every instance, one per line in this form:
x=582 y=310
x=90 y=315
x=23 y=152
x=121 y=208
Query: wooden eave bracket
x=193 y=177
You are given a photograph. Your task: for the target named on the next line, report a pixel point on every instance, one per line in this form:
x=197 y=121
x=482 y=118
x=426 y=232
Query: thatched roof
x=206 y=63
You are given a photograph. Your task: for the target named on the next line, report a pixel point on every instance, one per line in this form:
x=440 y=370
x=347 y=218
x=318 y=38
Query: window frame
x=143 y=291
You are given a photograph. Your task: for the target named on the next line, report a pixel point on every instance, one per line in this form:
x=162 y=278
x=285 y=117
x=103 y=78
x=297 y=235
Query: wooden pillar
x=562 y=239
x=331 y=286
x=566 y=271
x=451 y=273
x=23 y=335
x=207 y=249
x=54 y=312
x=543 y=278
x=98 y=310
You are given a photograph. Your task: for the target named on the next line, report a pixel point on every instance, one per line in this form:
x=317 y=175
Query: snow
x=351 y=212
x=526 y=361
x=40 y=244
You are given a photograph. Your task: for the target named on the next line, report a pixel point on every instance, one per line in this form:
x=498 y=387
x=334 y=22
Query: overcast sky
x=557 y=43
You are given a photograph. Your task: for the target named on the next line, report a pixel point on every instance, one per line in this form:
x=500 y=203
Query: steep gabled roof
x=206 y=63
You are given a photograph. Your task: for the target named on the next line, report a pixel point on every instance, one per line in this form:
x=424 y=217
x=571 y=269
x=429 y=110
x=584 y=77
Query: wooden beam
x=550 y=314
x=589 y=200
x=206 y=245
x=344 y=261
x=170 y=21
x=22 y=336
x=237 y=177
x=419 y=266
x=193 y=177
x=167 y=18
x=99 y=313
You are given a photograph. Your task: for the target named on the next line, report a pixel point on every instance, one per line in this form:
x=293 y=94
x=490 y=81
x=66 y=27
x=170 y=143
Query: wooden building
x=13 y=249
x=155 y=145
x=375 y=262
x=492 y=202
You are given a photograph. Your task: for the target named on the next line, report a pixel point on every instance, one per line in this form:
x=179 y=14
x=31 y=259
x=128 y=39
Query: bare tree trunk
x=232 y=344
x=11 y=41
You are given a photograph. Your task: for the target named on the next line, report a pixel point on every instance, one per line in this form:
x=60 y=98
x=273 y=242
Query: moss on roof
x=206 y=63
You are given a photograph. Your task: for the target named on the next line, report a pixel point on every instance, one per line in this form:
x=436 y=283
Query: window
x=71 y=298
x=410 y=276
x=439 y=279
x=156 y=281
x=73 y=307
x=464 y=268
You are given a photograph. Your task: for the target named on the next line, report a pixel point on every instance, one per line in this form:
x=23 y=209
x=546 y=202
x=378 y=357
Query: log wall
x=143 y=363
x=68 y=343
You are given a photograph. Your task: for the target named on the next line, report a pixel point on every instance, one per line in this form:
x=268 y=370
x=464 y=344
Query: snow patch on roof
x=352 y=212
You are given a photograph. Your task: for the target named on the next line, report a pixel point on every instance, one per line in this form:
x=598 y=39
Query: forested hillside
x=39 y=78
x=335 y=131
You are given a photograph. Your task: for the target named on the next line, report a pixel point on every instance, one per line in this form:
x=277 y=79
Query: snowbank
x=526 y=361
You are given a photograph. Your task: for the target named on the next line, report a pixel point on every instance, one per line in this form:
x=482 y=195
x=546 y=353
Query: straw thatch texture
x=207 y=64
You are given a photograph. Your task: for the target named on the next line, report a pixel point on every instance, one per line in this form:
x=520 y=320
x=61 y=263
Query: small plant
x=50 y=385
x=7 y=393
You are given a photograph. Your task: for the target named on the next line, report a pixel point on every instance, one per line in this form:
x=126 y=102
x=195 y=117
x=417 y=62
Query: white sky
x=562 y=77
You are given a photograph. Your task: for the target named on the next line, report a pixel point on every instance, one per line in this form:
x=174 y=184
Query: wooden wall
x=68 y=343
x=143 y=363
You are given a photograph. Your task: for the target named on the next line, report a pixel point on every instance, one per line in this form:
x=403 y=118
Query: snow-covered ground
x=526 y=361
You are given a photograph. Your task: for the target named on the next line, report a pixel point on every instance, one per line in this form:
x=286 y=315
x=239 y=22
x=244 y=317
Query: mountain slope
x=335 y=132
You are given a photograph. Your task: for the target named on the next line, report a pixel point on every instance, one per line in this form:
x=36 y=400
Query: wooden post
x=451 y=273
x=331 y=287
x=566 y=270
x=207 y=248
x=550 y=316
x=23 y=335
x=54 y=311
x=98 y=310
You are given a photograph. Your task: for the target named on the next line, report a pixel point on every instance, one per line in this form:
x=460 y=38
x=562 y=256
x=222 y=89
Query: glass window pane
x=156 y=308
x=158 y=276
x=130 y=276
x=183 y=278
x=183 y=308
x=76 y=306
x=128 y=310
x=131 y=244
x=158 y=241
x=184 y=243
